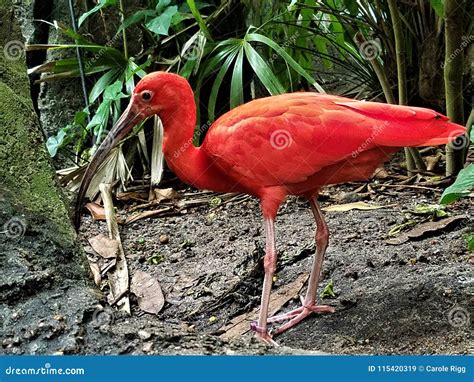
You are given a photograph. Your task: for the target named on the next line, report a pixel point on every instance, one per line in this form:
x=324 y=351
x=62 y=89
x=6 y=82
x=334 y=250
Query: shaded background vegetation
x=409 y=52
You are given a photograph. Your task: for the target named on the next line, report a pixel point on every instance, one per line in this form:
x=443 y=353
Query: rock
x=144 y=335
x=147 y=347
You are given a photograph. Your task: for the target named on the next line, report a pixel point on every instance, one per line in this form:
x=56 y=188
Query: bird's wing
x=287 y=138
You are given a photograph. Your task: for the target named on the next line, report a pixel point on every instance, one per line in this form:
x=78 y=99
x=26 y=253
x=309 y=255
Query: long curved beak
x=122 y=127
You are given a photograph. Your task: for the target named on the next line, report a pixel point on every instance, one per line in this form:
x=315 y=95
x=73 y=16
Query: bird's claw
x=262 y=333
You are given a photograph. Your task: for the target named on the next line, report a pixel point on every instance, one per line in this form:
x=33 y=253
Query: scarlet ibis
x=289 y=144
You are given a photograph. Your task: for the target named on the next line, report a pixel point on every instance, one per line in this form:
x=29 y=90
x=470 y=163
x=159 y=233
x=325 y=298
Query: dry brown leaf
x=104 y=246
x=160 y=194
x=97 y=211
x=133 y=195
x=148 y=291
x=353 y=206
x=381 y=173
x=421 y=230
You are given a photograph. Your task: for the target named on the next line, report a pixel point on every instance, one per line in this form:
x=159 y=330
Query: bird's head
x=156 y=93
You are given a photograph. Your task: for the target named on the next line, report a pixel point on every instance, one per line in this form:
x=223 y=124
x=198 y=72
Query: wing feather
x=287 y=138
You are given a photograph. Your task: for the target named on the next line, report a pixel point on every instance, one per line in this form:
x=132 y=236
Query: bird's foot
x=262 y=334
x=298 y=314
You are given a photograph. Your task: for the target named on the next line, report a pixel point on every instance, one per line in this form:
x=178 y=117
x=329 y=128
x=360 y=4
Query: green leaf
x=321 y=45
x=197 y=15
x=438 y=6
x=114 y=92
x=215 y=61
x=461 y=187
x=470 y=242
x=54 y=142
x=236 y=84
x=263 y=71
x=328 y=290
x=435 y=210
x=217 y=84
x=184 y=7
x=102 y=83
x=161 y=24
x=80 y=118
x=352 y=7
x=102 y=4
x=291 y=62
x=101 y=116
x=136 y=18
x=161 y=5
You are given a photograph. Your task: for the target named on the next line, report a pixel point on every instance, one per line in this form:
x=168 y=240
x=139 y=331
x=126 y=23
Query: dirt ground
x=390 y=299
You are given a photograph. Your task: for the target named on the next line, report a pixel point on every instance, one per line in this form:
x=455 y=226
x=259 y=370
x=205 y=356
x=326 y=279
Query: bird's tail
x=407 y=126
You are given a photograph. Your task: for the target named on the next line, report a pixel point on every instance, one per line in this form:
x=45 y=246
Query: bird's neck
x=187 y=161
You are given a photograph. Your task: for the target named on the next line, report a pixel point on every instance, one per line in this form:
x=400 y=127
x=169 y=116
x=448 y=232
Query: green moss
x=25 y=166
x=12 y=71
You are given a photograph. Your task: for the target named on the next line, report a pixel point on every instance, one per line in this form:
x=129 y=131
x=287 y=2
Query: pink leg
x=309 y=303
x=270 y=266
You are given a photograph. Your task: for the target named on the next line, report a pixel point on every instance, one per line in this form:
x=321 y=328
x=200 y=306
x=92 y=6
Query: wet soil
x=412 y=298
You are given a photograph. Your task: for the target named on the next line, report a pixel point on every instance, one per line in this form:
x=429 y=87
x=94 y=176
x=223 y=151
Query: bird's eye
x=146 y=95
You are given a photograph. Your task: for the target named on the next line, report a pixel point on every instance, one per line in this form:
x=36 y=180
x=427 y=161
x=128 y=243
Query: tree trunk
x=42 y=266
x=453 y=76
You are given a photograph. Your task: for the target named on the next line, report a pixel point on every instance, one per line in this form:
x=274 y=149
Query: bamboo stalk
x=453 y=73
x=413 y=157
x=469 y=123
x=124 y=33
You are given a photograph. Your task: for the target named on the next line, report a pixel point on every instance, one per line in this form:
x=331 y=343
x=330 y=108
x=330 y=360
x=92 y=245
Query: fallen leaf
x=104 y=246
x=430 y=209
x=97 y=212
x=353 y=206
x=132 y=195
x=160 y=194
x=396 y=229
x=148 y=291
x=425 y=228
x=328 y=290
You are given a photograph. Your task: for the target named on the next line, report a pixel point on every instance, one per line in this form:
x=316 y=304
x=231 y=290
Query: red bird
x=290 y=144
